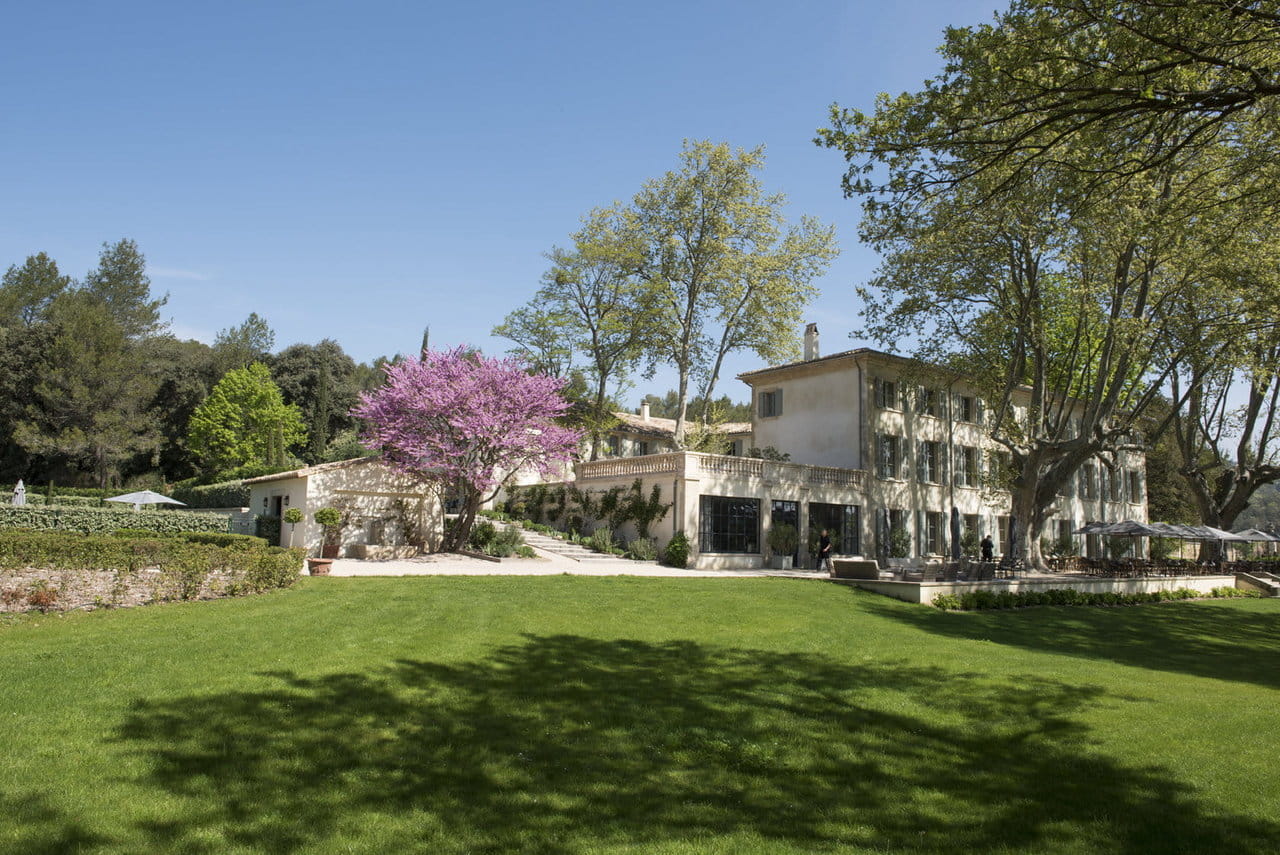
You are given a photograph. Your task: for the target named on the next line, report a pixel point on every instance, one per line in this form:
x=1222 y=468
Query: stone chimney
x=810 y=342
x=644 y=411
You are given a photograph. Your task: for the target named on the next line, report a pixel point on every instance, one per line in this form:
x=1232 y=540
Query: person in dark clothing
x=824 y=552
x=988 y=549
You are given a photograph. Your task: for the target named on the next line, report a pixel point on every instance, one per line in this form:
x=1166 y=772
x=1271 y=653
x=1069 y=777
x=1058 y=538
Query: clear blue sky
x=358 y=171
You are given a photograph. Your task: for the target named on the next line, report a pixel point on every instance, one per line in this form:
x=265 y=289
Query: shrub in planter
x=330 y=519
x=783 y=539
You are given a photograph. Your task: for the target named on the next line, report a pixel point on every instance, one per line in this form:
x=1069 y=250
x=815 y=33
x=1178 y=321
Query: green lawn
x=627 y=715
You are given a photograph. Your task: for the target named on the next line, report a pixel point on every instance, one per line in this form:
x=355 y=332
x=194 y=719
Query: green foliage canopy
x=244 y=421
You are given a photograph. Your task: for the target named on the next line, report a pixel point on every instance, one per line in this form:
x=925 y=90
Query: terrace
x=689 y=464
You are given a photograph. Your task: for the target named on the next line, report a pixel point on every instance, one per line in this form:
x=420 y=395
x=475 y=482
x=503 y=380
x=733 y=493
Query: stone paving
x=446 y=564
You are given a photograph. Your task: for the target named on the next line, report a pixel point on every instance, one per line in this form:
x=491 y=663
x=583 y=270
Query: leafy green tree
x=24 y=360
x=90 y=406
x=591 y=304
x=1069 y=306
x=1227 y=431
x=726 y=272
x=121 y=285
x=27 y=292
x=668 y=405
x=185 y=372
x=240 y=346
x=1168 y=496
x=321 y=380
x=539 y=334
x=1050 y=76
x=244 y=422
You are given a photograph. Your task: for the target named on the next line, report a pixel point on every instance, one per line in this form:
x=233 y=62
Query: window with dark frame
x=888 y=456
x=771 y=403
x=729 y=525
x=935 y=526
x=887 y=395
x=842 y=522
x=967 y=474
x=1135 y=486
x=929 y=462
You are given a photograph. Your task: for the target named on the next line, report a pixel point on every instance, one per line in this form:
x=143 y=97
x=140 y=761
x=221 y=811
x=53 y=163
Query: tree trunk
x=456 y=540
x=681 y=414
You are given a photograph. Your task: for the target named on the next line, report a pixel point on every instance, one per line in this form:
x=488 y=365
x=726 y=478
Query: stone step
x=555 y=545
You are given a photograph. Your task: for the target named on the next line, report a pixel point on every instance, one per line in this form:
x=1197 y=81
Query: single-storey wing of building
x=385 y=513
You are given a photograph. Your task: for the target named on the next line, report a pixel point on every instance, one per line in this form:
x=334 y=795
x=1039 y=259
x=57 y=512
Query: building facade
x=881 y=452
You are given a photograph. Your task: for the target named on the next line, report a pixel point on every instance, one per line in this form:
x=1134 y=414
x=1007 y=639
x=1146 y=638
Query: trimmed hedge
x=987 y=599
x=228 y=494
x=184 y=567
x=107 y=520
x=39 y=500
x=6 y=491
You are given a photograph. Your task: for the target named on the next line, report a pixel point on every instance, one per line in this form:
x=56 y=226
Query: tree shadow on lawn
x=1204 y=639
x=563 y=743
x=31 y=825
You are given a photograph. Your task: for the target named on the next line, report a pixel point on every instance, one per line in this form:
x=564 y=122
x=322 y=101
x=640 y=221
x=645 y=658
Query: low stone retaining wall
x=924 y=592
x=69 y=590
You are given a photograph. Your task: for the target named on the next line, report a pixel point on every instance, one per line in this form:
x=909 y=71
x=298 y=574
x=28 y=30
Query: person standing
x=988 y=549
x=824 y=552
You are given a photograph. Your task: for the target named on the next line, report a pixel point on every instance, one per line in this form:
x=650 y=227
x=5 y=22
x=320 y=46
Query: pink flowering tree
x=469 y=422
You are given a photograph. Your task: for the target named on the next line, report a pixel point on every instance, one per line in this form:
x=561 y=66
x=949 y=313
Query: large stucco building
x=876 y=445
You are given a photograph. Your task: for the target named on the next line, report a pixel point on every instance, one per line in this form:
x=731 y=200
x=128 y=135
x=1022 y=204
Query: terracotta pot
x=319 y=566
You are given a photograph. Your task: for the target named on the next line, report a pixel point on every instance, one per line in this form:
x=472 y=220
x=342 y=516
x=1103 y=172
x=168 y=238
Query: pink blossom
x=468 y=420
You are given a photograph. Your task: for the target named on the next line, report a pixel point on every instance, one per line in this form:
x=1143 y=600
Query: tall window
x=1111 y=484
x=843 y=524
x=929 y=462
x=1089 y=481
x=771 y=403
x=933 y=532
x=888 y=456
x=729 y=525
x=929 y=402
x=642 y=448
x=1066 y=529
x=887 y=395
x=615 y=446
x=966 y=408
x=967 y=474
x=1135 y=486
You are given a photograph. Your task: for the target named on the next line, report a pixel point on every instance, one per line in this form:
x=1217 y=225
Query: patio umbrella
x=1250 y=534
x=1091 y=528
x=19 y=494
x=1128 y=528
x=955 y=534
x=145 y=497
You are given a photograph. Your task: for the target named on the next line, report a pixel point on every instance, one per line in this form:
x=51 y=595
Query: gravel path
x=443 y=564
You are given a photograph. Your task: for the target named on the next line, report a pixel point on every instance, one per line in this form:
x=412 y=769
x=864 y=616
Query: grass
x=626 y=715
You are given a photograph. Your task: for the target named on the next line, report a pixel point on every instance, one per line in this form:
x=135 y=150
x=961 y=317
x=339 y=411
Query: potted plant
x=783 y=540
x=330 y=519
x=293 y=516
